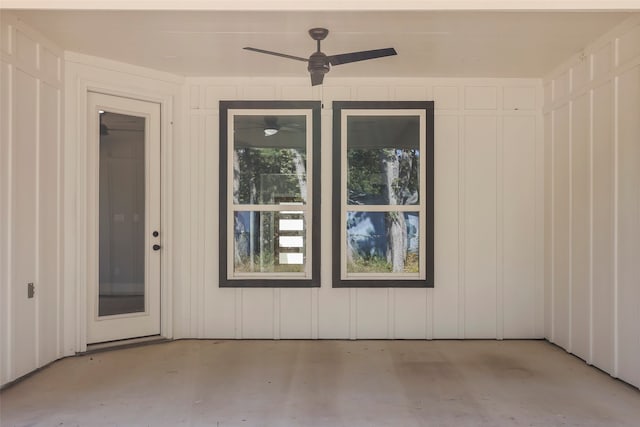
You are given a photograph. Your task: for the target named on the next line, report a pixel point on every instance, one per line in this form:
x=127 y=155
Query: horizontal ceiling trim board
x=122 y=67
x=325 y=5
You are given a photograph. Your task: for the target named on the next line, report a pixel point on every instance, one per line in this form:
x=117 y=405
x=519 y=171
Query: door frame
x=136 y=324
x=79 y=258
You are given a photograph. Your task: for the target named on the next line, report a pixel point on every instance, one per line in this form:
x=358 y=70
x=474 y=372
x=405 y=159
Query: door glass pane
x=122 y=214
x=383 y=154
x=269 y=159
x=383 y=242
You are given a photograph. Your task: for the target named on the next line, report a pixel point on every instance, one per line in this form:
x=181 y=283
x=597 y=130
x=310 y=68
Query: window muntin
x=384 y=203
x=269 y=193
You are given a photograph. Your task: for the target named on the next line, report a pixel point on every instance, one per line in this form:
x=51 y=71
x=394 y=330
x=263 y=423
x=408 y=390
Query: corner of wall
x=31 y=230
x=592 y=221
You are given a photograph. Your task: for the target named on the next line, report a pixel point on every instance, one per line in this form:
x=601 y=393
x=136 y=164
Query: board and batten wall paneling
x=30 y=199
x=560 y=218
x=5 y=101
x=628 y=221
x=447 y=239
x=24 y=167
x=580 y=184
x=548 y=223
x=602 y=249
x=593 y=238
x=488 y=187
x=480 y=225
x=519 y=226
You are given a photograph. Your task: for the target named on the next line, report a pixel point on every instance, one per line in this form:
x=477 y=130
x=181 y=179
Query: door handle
x=156 y=247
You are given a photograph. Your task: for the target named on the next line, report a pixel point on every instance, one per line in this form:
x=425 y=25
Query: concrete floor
x=323 y=383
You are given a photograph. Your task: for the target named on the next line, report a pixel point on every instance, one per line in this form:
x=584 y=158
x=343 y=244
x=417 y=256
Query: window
x=383 y=194
x=269 y=193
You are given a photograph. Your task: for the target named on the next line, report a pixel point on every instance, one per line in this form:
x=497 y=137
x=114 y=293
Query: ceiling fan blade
x=282 y=55
x=316 y=78
x=345 y=58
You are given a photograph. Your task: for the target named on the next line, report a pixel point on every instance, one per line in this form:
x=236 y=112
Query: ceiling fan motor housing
x=319 y=63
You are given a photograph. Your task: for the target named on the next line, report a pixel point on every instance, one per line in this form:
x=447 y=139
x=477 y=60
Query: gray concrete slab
x=323 y=383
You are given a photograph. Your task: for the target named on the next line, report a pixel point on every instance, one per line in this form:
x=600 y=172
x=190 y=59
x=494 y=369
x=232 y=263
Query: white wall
x=488 y=220
x=592 y=181
x=488 y=213
x=31 y=115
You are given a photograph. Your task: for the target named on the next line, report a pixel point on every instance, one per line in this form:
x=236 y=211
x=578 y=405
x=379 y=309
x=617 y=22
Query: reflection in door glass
x=122 y=214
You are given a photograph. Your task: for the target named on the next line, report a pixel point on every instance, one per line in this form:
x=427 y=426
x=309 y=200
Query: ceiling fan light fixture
x=270 y=131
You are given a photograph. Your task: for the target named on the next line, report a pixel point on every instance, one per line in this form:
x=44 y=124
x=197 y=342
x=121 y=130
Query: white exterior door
x=123 y=292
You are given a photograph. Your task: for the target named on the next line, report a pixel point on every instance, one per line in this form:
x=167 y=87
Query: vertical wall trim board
x=571 y=230
x=591 y=196
x=168 y=130
x=68 y=218
x=616 y=208
x=10 y=236
x=552 y=309
x=538 y=231
x=38 y=213
x=60 y=232
x=81 y=219
x=541 y=208
x=499 y=184
x=4 y=224
x=616 y=216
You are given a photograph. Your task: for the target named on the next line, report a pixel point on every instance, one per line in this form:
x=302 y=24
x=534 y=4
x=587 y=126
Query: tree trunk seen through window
x=395 y=222
x=380 y=241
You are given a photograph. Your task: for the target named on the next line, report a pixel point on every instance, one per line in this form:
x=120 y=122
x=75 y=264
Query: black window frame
x=314 y=281
x=337 y=240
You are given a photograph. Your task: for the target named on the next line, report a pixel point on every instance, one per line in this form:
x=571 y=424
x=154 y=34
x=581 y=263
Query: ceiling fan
x=270 y=125
x=319 y=63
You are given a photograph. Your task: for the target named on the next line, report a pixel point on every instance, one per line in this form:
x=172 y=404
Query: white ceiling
x=429 y=43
